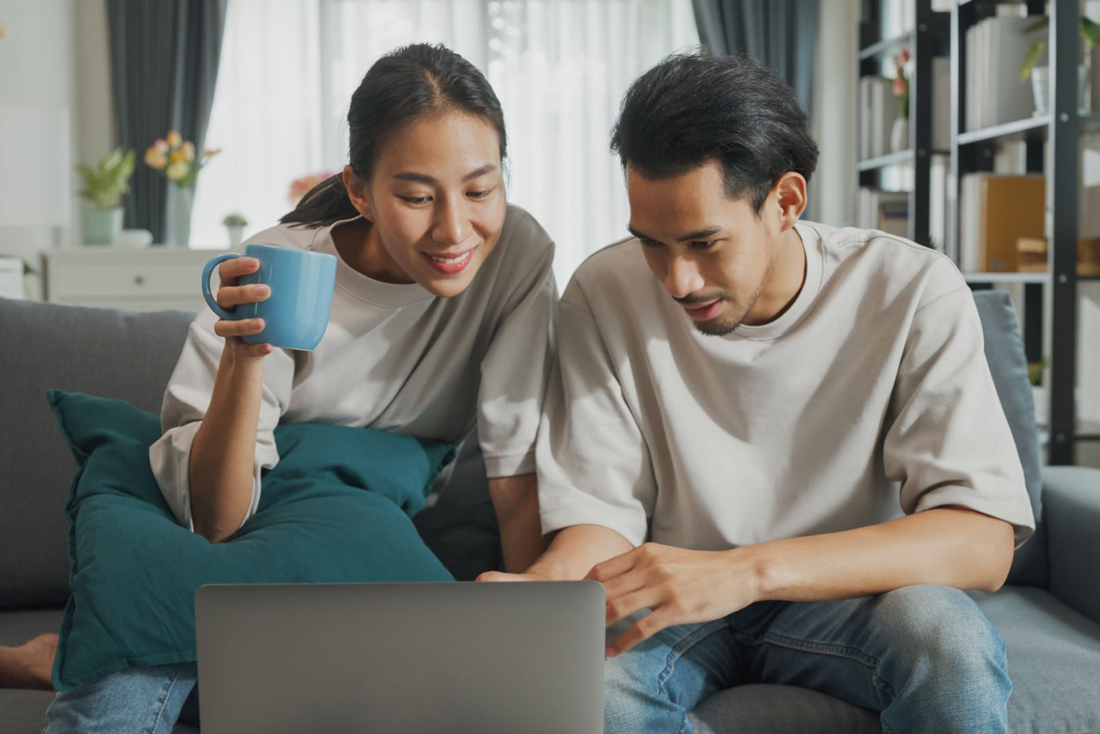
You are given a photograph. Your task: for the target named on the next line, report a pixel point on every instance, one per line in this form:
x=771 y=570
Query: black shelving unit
x=938 y=34
x=973 y=151
x=928 y=37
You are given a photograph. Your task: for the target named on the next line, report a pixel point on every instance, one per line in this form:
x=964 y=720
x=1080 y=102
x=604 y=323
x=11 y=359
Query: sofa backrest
x=109 y=353
x=1004 y=350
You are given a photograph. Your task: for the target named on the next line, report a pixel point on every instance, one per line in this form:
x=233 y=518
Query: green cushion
x=336 y=508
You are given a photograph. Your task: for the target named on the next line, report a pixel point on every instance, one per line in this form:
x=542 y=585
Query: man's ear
x=790 y=198
x=357 y=194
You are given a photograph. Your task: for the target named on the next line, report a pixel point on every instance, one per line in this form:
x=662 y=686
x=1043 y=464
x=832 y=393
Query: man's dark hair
x=692 y=109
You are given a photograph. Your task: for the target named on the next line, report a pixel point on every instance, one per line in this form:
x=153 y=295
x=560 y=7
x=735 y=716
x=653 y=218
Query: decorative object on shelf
x=1040 y=75
x=104 y=187
x=176 y=159
x=235 y=223
x=301 y=186
x=135 y=239
x=899 y=133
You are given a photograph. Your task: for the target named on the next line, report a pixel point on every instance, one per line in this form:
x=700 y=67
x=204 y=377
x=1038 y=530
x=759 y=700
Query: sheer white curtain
x=560 y=68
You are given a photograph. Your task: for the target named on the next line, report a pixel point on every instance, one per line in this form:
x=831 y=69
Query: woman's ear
x=357 y=194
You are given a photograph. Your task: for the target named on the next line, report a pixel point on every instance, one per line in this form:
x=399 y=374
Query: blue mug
x=296 y=313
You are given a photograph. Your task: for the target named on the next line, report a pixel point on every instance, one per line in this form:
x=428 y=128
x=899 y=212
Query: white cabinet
x=155 y=279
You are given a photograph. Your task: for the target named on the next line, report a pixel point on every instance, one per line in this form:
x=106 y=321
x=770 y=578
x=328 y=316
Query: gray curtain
x=781 y=34
x=164 y=62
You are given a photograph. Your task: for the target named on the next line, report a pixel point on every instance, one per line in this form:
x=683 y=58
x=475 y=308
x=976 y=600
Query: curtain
x=559 y=68
x=164 y=63
x=781 y=34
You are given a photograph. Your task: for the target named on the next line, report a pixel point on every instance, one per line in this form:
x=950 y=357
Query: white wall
x=56 y=57
x=834 y=186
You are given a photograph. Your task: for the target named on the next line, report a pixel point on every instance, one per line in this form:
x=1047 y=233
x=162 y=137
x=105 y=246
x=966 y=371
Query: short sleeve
x=949 y=442
x=515 y=368
x=593 y=463
x=186 y=401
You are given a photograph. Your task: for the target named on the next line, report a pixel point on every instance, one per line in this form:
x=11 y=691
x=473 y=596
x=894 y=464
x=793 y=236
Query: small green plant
x=234 y=220
x=1035 y=371
x=109 y=181
x=1090 y=34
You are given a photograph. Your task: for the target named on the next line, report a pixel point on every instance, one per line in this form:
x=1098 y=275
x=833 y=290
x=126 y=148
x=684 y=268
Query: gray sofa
x=1048 y=614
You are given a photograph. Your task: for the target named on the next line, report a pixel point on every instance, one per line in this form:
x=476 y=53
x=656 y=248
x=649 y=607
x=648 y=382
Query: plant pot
x=236 y=236
x=899 y=135
x=1042 y=404
x=101 y=225
x=1040 y=88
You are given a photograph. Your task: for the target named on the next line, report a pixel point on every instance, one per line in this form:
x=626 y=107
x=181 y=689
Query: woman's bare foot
x=30 y=665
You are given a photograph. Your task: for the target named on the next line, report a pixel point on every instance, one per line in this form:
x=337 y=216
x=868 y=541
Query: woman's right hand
x=229 y=295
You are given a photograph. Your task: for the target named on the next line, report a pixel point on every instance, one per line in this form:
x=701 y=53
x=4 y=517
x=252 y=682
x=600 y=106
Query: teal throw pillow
x=336 y=508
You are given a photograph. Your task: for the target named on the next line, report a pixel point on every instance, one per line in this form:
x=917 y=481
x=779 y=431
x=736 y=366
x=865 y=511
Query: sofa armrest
x=1071 y=512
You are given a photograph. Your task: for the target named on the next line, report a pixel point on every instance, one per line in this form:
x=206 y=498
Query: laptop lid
x=452 y=657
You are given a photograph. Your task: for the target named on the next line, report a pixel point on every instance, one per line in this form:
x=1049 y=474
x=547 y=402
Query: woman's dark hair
x=405 y=84
x=692 y=109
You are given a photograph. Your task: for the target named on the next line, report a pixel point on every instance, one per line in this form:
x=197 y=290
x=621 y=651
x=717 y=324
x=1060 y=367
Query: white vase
x=236 y=236
x=899 y=135
x=1042 y=404
x=1040 y=89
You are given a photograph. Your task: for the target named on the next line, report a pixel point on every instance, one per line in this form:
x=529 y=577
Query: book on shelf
x=995 y=49
x=995 y=211
x=883 y=210
x=878 y=110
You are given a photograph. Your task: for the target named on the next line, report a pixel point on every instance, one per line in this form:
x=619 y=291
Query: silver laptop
x=389 y=658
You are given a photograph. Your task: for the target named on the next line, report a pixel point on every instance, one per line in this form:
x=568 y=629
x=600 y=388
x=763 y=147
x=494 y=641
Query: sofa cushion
x=1004 y=350
x=110 y=353
x=336 y=508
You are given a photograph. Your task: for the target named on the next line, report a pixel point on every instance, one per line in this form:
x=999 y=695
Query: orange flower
x=174 y=139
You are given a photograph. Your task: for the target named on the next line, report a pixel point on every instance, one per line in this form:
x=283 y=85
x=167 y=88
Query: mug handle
x=213 y=304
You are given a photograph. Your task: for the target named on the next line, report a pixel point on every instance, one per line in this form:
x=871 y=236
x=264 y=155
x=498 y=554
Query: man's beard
x=709 y=328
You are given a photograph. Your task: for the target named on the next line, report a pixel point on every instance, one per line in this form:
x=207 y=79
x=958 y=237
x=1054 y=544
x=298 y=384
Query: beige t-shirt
x=870 y=396
x=395 y=358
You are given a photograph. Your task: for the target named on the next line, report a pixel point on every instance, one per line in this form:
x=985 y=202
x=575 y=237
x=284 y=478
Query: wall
x=56 y=56
x=834 y=186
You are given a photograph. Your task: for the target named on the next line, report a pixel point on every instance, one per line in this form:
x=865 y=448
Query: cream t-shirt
x=870 y=396
x=395 y=358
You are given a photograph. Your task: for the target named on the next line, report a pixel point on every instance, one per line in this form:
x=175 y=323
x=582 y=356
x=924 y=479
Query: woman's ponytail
x=324 y=204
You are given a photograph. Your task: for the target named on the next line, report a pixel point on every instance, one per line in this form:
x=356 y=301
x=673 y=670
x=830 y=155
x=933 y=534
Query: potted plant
x=1040 y=75
x=177 y=160
x=235 y=223
x=104 y=187
x=899 y=133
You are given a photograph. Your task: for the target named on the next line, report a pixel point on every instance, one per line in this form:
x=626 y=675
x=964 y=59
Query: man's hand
x=679 y=586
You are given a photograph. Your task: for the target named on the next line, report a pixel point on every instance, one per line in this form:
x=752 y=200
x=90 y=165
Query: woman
x=439 y=325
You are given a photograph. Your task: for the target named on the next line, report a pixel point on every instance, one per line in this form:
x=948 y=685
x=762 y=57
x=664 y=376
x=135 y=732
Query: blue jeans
x=145 y=700
x=923 y=656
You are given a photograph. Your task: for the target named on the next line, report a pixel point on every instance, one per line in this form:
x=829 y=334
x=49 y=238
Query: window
x=559 y=67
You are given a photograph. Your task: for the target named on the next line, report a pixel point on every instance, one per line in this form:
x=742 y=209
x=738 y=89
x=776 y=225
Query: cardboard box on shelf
x=1031 y=255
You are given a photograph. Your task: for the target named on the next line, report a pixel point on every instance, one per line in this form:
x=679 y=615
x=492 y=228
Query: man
x=777 y=444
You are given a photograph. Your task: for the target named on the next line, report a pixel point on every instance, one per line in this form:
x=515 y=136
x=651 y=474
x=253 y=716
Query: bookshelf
x=1051 y=147
x=926 y=36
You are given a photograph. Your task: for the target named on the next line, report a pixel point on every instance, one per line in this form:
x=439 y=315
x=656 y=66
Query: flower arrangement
x=301 y=186
x=176 y=159
x=901 y=83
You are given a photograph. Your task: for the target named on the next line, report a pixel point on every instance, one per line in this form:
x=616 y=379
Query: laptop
x=394 y=658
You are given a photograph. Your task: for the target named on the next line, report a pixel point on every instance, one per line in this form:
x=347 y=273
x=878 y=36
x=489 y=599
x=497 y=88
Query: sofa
x=1048 y=613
